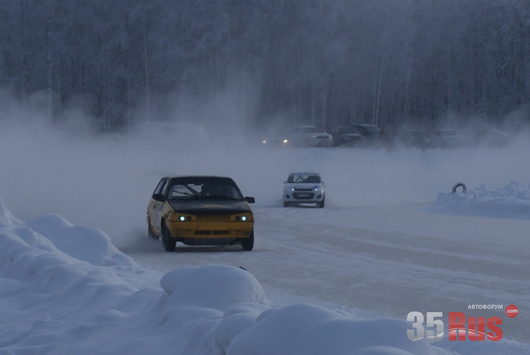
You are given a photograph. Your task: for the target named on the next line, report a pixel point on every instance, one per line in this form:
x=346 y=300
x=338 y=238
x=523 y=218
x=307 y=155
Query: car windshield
x=304 y=178
x=203 y=189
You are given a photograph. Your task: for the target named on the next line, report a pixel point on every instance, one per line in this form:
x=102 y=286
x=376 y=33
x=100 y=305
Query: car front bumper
x=208 y=230
x=303 y=196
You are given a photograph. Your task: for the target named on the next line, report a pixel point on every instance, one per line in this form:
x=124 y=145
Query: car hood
x=209 y=207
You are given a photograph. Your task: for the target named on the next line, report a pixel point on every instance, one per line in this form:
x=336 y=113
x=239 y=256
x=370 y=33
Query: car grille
x=213 y=218
x=211 y=232
x=303 y=196
x=301 y=189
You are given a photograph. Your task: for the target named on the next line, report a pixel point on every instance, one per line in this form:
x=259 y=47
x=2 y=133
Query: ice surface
x=62 y=299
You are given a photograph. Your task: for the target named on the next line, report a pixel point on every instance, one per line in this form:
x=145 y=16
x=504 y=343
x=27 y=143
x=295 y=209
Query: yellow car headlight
x=181 y=217
x=243 y=217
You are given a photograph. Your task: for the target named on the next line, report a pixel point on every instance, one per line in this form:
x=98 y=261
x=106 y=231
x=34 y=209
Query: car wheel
x=167 y=241
x=321 y=203
x=461 y=185
x=248 y=243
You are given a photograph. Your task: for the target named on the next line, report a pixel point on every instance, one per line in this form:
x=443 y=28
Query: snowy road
x=385 y=260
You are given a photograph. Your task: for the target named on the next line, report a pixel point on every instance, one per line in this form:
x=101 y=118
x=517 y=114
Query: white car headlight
x=243 y=218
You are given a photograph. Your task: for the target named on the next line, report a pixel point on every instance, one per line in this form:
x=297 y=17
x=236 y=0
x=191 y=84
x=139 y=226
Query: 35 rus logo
x=460 y=327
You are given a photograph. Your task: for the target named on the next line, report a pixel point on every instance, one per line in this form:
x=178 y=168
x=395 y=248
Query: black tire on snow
x=167 y=241
x=457 y=185
x=248 y=243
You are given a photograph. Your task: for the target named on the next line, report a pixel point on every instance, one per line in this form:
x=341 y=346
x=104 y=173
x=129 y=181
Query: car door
x=156 y=204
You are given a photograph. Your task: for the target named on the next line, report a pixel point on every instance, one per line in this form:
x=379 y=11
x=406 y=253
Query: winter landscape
x=393 y=104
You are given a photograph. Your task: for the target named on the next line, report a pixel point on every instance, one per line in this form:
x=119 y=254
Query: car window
x=304 y=178
x=184 y=191
x=204 y=190
x=160 y=186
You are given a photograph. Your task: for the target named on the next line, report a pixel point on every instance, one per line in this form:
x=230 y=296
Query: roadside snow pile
x=64 y=290
x=5 y=216
x=512 y=201
x=84 y=243
x=308 y=329
x=211 y=279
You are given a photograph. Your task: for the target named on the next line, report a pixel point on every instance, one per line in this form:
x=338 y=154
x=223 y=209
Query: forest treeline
x=327 y=62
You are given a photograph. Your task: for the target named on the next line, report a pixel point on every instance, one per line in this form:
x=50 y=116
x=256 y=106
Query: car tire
x=321 y=203
x=457 y=185
x=167 y=241
x=248 y=243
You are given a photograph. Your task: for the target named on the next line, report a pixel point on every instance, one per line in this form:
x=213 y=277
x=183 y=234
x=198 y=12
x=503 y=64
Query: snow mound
x=207 y=286
x=307 y=329
x=5 y=215
x=83 y=243
x=511 y=201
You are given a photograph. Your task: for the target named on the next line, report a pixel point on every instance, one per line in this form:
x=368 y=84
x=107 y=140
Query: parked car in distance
x=278 y=141
x=303 y=187
x=369 y=131
x=348 y=136
x=308 y=136
x=200 y=210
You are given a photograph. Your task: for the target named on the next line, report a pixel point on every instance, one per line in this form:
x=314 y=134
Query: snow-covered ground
x=320 y=281
x=67 y=289
x=511 y=201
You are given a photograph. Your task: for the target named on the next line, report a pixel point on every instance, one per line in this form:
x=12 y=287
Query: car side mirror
x=158 y=197
x=250 y=199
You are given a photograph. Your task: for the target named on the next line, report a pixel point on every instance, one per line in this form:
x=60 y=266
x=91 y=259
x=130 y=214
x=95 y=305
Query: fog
x=106 y=180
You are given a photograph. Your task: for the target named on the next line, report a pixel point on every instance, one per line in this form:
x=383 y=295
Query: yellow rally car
x=200 y=210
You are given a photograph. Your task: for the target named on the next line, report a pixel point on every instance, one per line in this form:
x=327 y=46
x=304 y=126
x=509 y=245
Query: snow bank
x=307 y=329
x=64 y=290
x=5 y=216
x=212 y=280
x=84 y=243
x=512 y=201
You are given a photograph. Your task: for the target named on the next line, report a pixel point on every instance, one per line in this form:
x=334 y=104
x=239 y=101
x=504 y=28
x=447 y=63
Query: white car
x=302 y=187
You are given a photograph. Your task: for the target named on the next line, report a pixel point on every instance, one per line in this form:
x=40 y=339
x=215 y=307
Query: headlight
x=264 y=141
x=243 y=218
x=184 y=218
x=285 y=141
x=292 y=189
